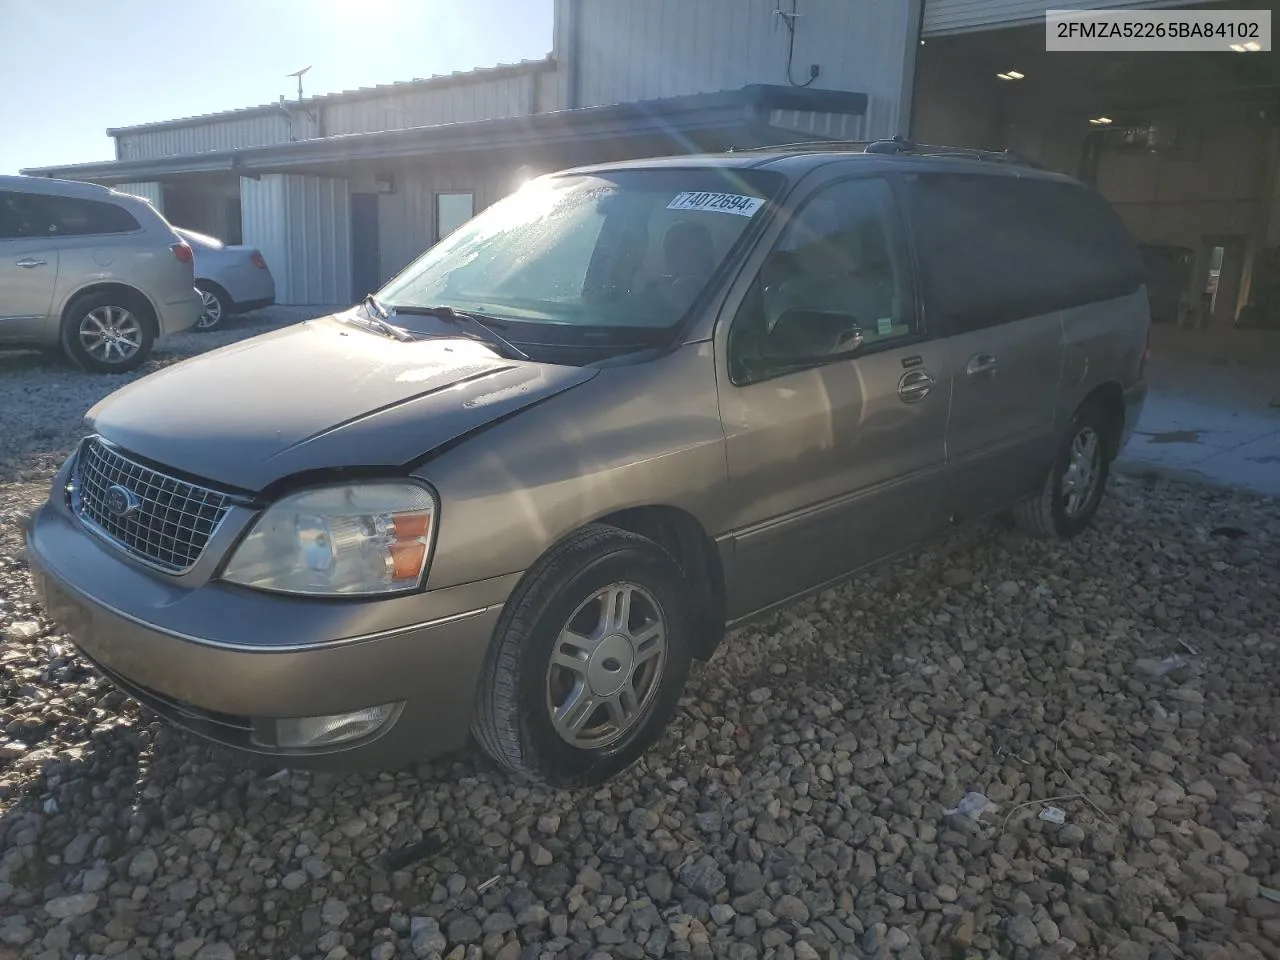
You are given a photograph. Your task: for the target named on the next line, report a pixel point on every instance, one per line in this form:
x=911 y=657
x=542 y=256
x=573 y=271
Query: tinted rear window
x=997 y=248
x=40 y=215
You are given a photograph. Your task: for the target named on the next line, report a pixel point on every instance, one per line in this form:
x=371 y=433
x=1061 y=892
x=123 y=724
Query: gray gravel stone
x=703 y=877
x=464 y=930
x=334 y=913
x=74 y=905
x=1143 y=828
x=1022 y=932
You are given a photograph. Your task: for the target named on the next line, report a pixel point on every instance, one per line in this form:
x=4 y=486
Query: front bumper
x=225 y=662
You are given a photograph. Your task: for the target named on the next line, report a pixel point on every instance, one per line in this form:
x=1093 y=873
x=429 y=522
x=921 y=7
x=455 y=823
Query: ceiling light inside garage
x=1011 y=75
x=1100 y=121
x=1252 y=46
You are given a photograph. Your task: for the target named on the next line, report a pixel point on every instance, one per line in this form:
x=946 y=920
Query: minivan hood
x=317 y=395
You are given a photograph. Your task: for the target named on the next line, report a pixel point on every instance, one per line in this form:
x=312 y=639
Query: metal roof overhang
x=742 y=112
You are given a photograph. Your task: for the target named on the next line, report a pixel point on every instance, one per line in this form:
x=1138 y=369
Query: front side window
x=613 y=250
x=838 y=275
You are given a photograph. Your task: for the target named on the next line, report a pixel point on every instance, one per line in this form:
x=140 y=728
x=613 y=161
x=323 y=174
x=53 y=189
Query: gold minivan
x=516 y=492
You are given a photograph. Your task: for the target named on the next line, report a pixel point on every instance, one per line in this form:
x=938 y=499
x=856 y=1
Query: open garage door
x=943 y=17
x=1186 y=147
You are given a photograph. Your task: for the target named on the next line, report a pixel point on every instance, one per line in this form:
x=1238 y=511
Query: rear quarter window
x=76 y=217
x=998 y=248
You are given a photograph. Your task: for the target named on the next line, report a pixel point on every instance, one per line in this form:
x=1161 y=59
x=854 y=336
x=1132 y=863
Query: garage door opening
x=1184 y=145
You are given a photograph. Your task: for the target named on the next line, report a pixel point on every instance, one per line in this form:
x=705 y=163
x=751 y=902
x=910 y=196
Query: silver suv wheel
x=110 y=334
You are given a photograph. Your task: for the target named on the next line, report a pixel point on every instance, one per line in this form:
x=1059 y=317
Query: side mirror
x=812 y=336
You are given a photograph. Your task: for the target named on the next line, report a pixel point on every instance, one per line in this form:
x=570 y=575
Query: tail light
x=256 y=259
x=182 y=252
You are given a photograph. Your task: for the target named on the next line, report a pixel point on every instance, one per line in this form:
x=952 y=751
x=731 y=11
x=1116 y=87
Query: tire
x=521 y=689
x=1062 y=509
x=217 y=307
x=86 y=341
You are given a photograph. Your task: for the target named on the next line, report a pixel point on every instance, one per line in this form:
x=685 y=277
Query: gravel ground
x=808 y=802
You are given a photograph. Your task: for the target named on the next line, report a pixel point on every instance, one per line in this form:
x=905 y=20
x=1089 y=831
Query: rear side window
x=1097 y=258
x=40 y=215
x=994 y=249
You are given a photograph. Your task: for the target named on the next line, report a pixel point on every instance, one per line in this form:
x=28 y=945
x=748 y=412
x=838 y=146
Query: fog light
x=323 y=731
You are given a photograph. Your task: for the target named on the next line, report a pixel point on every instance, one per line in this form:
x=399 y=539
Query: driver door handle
x=914 y=386
x=29 y=263
x=981 y=365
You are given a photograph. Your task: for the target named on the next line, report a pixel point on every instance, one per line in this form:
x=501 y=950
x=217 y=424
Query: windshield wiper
x=378 y=315
x=483 y=326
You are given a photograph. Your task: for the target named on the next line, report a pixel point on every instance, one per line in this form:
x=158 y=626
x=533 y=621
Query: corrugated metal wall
x=147 y=190
x=535 y=90
x=254 y=131
x=513 y=96
x=835 y=126
x=638 y=51
x=302 y=225
x=942 y=17
x=406 y=218
x=263 y=225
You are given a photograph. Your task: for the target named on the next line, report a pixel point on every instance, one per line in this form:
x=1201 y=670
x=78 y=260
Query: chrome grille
x=171 y=520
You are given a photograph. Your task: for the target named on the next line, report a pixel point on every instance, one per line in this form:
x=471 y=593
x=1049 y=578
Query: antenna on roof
x=298 y=74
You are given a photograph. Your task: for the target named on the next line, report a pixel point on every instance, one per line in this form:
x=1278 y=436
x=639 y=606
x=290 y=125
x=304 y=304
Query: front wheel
x=1074 y=487
x=588 y=660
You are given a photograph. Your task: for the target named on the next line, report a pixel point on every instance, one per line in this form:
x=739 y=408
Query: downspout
x=573 y=41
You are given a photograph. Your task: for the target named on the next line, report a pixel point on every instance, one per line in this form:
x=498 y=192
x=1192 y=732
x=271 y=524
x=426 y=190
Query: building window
x=452 y=211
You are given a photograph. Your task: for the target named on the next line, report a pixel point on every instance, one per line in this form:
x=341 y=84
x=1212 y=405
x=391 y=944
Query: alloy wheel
x=212 y=314
x=111 y=334
x=606 y=666
x=1084 y=466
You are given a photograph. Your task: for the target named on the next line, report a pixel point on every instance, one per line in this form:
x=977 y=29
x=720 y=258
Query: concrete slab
x=1213 y=413
x=1236 y=447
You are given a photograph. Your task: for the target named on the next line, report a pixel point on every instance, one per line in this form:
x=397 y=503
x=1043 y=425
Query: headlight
x=356 y=539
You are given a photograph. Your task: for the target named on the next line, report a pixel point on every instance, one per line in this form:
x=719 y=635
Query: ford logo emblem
x=121 y=501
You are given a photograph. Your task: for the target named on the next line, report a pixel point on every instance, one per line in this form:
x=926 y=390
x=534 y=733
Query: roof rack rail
x=901 y=145
x=893 y=146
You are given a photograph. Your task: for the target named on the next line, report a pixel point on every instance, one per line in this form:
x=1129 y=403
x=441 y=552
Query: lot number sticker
x=743 y=206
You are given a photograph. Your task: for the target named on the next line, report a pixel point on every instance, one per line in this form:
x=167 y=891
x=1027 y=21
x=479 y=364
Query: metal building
x=341 y=191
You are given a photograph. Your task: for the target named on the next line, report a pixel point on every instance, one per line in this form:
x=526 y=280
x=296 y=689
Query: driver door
x=832 y=464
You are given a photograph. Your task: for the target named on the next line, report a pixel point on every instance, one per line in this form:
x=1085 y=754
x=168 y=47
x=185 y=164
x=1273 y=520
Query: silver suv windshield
x=615 y=249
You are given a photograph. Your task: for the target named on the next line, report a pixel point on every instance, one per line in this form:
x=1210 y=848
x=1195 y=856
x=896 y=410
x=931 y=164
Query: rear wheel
x=107 y=332
x=1074 y=487
x=588 y=660
x=216 y=307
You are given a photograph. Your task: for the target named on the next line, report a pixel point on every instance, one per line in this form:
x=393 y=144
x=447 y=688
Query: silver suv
x=97 y=274
x=522 y=488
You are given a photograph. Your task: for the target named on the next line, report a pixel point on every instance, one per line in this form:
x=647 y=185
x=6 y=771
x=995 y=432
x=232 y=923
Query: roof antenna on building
x=298 y=74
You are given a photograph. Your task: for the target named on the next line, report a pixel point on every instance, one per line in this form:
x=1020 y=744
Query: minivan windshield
x=611 y=249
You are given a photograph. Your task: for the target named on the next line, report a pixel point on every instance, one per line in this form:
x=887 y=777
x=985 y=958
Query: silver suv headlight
x=350 y=540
